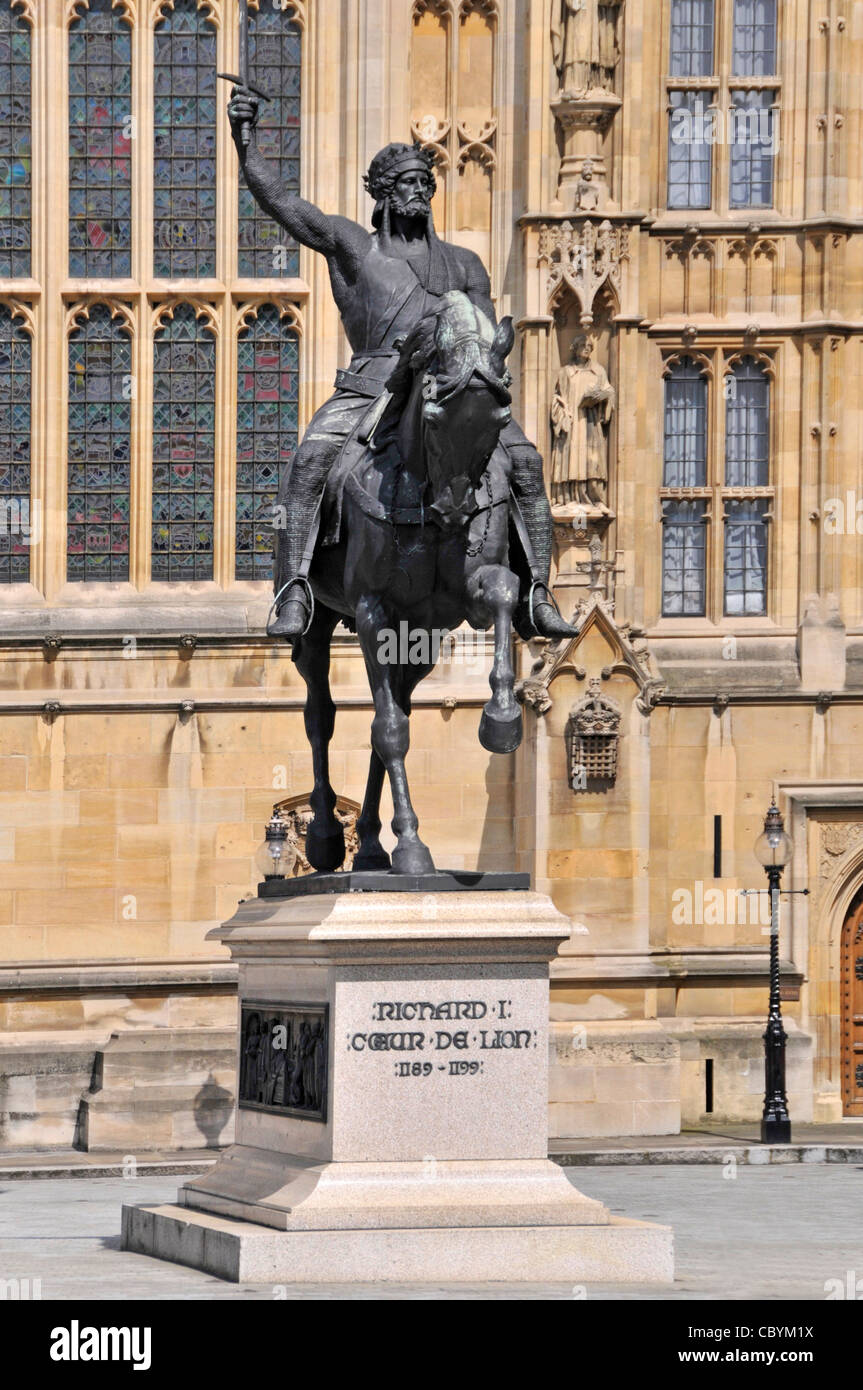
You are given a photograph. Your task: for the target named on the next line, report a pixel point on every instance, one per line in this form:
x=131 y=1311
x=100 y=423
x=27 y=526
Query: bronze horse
x=424 y=538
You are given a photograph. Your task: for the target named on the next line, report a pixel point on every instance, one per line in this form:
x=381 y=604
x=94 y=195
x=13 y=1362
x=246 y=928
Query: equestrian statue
x=414 y=496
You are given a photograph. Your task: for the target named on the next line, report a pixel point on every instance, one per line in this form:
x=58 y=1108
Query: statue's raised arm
x=331 y=236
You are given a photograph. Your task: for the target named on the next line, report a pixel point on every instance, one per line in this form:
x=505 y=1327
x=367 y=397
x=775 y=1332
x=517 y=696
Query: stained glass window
x=100 y=145
x=184 y=178
x=100 y=420
x=15 y=167
x=184 y=385
x=18 y=527
x=275 y=50
x=267 y=423
x=691 y=38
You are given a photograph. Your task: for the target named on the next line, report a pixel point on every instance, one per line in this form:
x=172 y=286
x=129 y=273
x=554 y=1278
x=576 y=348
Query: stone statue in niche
x=586 y=190
x=584 y=45
x=581 y=413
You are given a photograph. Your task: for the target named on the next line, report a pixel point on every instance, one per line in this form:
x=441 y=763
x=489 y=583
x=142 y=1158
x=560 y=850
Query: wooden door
x=852 y=1010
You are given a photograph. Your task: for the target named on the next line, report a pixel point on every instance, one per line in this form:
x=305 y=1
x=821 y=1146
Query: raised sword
x=243 y=79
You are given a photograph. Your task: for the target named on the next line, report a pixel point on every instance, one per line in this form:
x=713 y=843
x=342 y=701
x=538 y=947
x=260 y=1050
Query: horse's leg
x=493 y=592
x=391 y=737
x=325 y=838
x=371 y=854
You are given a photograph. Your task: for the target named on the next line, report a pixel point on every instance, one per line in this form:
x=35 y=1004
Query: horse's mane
x=461 y=336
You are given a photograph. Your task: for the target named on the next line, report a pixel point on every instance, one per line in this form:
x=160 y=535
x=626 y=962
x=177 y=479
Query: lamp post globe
x=773 y=848
x=276 y=856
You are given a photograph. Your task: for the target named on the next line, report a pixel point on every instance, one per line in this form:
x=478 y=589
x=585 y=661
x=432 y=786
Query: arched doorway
x=851 y=976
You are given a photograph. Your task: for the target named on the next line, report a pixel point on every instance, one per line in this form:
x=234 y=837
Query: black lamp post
x=773 y=850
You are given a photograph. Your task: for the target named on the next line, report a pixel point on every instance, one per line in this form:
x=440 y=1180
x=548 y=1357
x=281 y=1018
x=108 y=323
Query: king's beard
x=416 y=208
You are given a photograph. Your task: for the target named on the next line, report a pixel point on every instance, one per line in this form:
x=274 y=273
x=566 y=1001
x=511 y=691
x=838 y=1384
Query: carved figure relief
x=283 y=1059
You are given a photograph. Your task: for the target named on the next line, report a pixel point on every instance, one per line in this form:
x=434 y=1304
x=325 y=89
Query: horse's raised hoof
x=325 y=850
x=413 y=859
x=500 y=735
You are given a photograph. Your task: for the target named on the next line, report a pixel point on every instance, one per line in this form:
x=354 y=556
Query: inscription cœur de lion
x=440 y=1040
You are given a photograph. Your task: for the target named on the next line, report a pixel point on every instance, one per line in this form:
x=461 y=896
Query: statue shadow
x=213 y=1109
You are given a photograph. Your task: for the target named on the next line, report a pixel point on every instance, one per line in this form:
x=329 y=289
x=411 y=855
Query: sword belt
x=347 y=380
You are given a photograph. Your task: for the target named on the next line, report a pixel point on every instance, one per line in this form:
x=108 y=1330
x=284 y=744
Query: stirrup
x=275 y=606
x=549 y=598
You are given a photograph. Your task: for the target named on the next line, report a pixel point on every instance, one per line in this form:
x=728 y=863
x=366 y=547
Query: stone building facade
x=669 y=202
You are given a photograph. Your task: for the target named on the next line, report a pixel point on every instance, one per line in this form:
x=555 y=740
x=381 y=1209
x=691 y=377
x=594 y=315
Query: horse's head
x=460 y=398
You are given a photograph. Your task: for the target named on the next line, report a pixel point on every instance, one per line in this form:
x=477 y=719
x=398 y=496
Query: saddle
x=353 y=458
x=392 y=493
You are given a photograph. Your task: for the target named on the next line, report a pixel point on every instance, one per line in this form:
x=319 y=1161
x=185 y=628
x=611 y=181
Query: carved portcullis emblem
x=593 y=734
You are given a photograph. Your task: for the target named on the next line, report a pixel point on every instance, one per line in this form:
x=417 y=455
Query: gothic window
x=684 y=532
x=691 y=38
x=753 y=121
x=716 y=475
x=15 y=165
x=685 y=454
x=684 y=540
x=275 y=46
x=747 y=465
x=267 y=428
x=747 y=425
x=99 y=448
x=100 y=146
x=754 y=42
x=184 y=392
x=15 y=394
x=745 y=557
x=722 y=96
x=184 y=192
x=689 y=153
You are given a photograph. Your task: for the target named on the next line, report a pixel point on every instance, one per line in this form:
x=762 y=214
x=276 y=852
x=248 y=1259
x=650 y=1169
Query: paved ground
x=839 y=1143
x=772 y=1232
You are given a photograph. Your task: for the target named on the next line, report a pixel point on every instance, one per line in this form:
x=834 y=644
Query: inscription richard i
x=486 y=1032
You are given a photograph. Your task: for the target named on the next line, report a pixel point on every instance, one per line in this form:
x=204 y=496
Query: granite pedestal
x=392 y=1116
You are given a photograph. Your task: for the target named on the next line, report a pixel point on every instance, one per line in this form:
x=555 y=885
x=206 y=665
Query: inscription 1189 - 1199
x=283 y=1059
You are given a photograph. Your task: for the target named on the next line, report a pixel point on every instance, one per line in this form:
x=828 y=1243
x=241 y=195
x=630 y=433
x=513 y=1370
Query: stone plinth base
x=392 y=1105
x=291 y=1193
x=620 y=1251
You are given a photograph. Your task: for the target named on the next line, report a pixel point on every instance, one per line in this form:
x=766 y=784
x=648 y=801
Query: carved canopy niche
x=584 y=257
